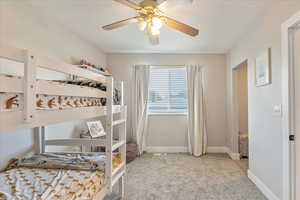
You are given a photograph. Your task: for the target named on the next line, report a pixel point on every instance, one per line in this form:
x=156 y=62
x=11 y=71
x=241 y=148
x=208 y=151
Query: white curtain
x=197 y=135
x=140 y=106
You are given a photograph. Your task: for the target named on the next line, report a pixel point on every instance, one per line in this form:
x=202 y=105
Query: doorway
x=240 y=86
x=291 y=107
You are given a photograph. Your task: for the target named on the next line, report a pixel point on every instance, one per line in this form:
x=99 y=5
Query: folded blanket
x=90 y=161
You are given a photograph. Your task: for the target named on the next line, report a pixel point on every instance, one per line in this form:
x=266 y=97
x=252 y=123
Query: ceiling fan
x=152 y=19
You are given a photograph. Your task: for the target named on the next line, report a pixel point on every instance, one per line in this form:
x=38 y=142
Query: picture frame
x=263 y=68
x=96 y=129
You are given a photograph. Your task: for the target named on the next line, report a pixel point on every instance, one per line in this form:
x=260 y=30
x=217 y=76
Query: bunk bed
x=29 y=103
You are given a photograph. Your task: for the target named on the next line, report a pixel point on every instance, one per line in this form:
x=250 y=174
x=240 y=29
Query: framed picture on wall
x=95 y=129
x=263 y=68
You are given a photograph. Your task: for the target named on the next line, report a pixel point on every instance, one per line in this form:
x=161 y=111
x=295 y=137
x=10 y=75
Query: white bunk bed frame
x=31 y=118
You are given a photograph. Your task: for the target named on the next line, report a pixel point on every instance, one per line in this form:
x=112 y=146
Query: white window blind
x=167 y=90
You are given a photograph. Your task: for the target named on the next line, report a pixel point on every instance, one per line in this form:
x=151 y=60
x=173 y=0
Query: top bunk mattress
x=10 y=101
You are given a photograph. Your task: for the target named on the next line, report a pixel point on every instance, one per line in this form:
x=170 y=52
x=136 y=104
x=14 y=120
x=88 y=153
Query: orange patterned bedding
x=51 y=184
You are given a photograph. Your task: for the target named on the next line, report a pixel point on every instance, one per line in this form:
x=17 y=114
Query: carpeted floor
x=243 y=164
x=183 y=177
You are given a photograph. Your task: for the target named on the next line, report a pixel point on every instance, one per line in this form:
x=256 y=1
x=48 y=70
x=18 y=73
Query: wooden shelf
x=84 y=141
x=117 y=122
x=14 y=120
x=118 y=173
x=118 y=144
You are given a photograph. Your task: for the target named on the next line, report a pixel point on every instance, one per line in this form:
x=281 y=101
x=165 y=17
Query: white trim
x=287 y=106
x=166 y=66
x=262 y=187
x=221 y=52
x=183 y=149
x=233 y=156
x=223 y=149
x=163 y=149
x=167 y=114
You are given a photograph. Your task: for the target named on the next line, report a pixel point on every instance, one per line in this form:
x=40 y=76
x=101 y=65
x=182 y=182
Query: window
x=167 y=90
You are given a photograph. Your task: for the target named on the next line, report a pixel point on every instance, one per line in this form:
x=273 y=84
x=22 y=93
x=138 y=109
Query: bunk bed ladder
x=115 y=175
x=109 y=133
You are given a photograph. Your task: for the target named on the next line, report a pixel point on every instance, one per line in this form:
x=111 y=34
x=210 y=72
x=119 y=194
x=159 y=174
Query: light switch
x=277 y=110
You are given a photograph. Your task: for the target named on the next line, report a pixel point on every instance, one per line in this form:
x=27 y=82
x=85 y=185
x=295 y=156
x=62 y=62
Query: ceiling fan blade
x=121 y=23
x=163 y=5
x=181 y=27
x=129 y=4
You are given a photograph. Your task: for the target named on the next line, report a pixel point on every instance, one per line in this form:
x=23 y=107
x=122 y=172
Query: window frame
x=166 y=113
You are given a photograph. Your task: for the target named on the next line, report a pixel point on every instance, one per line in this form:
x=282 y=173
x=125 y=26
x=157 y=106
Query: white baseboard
x=217 y=149
x=183 y=149
x=223 y=149
x=174 y=149
x=233 y=156
x=262 y=187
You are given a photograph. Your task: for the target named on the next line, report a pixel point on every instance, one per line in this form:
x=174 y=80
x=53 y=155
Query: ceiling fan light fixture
x=157 y=22
x=154 y=30
x=142 y=25
x=152 y=19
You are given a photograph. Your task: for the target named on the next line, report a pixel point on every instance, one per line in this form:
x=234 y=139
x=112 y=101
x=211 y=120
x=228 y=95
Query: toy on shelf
x=87 y=65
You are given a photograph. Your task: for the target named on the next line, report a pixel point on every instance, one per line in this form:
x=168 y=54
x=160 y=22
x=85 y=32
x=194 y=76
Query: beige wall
x=20 y=29
x=264 y=127
x=171 y=130
x=167 y=131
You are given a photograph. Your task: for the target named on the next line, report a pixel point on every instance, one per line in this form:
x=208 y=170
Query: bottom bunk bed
x=30 y=103
x=56 y=177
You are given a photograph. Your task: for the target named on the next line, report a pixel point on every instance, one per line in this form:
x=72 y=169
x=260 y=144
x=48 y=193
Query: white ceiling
x=221 y=24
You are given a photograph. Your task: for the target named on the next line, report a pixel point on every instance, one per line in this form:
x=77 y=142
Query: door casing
x=288 y=97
